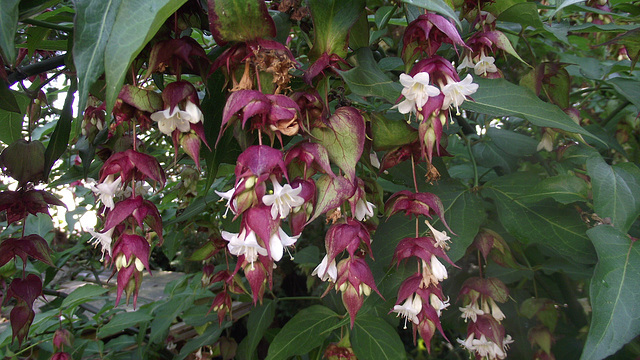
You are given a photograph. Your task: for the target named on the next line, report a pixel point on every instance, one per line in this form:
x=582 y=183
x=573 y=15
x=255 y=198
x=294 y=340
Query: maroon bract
x=31 y=245
x=348 y=236
x=131 y=256
x=355 y=281
x=222 y=305
x=61 y=337
x=425 y=204
x=325 y=61
x=314 y=156
x=19 y=204
x=133 y=165
x=143 y=211
x=421 y=247
x=180 y=56
x=25 y=291
x=426 y=34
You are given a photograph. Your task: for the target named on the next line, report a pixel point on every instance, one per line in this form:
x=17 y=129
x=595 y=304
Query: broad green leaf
x=389 y=134
x=616 y=191
x=614 y=293
x=497 y=7
x=8 y=29
x=136 y=22
x=565 y=189
x=11 y=122
x=628 y=88
x=332 y=192
x=122 y=321
x=59 y=141
x=367 y=79
x=208 y=337
x=240 y=20
x=554 y=227
x=8 y=100
x=332 y=20
x=464 y=213
x=437 y=6
x=489 y=155
x=561 y=4
x=305 y=331
x=260 y=319
x=344 y=139
x=359 y=34
x=165 y=314
x=512 y=142
x=93 y=24
x=82 y=295
x=499 y=97
x=373 y=338
x=525 y=14
x=40 y=224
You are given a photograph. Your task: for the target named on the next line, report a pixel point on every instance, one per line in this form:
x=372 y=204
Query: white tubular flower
x=244 y=244
x=437 y=269
x=467 y=343
x=546 y=143
x=416 y=92
x=107 y=190
x=364 y=209
x=326 y=271
x=283 y=199
x=506 y=342
x=375 y=162
x=103 y=239
x=485 y=65
x=495 y=310
x=455 y=93
x=440 y=236
x=195 y=114
x=280 y=241
x=438 y=304
x=227 y=195
x=466 y=63
x=484 y=347
x=169 y=120
x=471 y=311
x=410 y=309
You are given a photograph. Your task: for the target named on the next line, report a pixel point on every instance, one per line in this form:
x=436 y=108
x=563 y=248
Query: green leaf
x=11 y=122
x=628 y=88
x=437 y=6
x=240 y=20
x=389 y=134
x=373 y=338
x=513 y=143
x=525 y=14
x=165 y=314
x=304 y=332
x=40 y=224
x=122 y=321
x=82 y=295
x=59 y=141
x=561 y=4
x=565 y=189
x=260 y=319
x=367 y=79
x=616 y=191
x=614 y=293
x=489 y=155
x=332 y=20
x=499 y=97
x=8 y=100
x=137 y=21
x=8 y=29
x=464 y=213
x=208 y=337
x=554 y=227
x=94 y=21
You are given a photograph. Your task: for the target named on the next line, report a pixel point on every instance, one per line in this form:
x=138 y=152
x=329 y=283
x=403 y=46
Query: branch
x=23 y=72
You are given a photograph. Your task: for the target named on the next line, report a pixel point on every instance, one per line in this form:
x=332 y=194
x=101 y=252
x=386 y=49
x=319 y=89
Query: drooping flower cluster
x=420 y=297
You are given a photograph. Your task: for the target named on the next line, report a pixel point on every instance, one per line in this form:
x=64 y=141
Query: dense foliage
x=332 y=179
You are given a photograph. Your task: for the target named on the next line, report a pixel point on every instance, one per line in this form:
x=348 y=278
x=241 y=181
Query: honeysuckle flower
x=441 y=237
x=495 y=310
x=106 y=190
x=232 y=203
x=506 y=342
x=283 y=199
x=364 y=209
x=409 y=309
x=437 y=269
x=438 y=304
x=546 y=143
x=466 y=62
x=485 y=348
x=416 y=92
x=169 y=120
x=455 y=92
x=245 y=243
x=326 y=271
x=373 y=158
x=103 y=239
x=280 y=241
x=485 y=65
x=467 y=343
x=471 y=311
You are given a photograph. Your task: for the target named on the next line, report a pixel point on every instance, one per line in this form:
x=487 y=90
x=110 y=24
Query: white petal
x=406 y=80
x=276 y=248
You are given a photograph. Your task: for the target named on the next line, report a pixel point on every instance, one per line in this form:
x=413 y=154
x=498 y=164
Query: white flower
x=440 y=236
x=326 y=271
x=416 y=92
x=364 y=209
x=455 y=92
x=485 y=65
x=227 y=195
x=437 y=269
x=195 y=114
x=283 y=199
x=506 y=342
x=495 y=310
x=278 y=242
x=484 y=347
x=103 y=239
x=466 y=63
x=437 y=304
x=546 y=142
x=107 y=190
x=169 y=120
x=410 y=309
x=373 y=157
x=244 y=244
x=467 y=343
x=471 y=311
x=142 y=188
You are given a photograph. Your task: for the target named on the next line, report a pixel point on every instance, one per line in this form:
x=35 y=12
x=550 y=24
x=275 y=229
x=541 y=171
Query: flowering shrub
x=325 y=174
